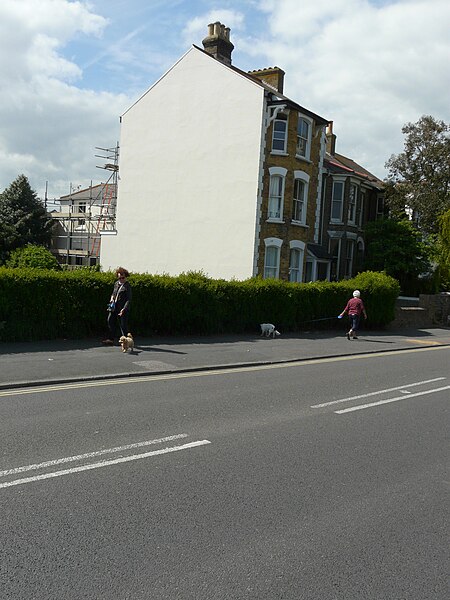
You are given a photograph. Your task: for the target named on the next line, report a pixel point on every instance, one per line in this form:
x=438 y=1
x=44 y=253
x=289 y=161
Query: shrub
x=36 y=257
x=72 y=304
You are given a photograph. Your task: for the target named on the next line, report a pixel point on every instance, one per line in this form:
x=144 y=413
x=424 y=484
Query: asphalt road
x=319 y=480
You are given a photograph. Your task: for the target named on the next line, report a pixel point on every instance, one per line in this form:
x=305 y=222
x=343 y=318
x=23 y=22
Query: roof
x=318 y=251
x=341 y=163
x=89 y=191
x=281 y=98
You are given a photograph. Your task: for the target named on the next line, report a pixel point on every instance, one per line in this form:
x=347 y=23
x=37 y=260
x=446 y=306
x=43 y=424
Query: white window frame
x=276 y=172
x=352 y=203
x=296 y=248
x=341 y=182
x=304 y=178
x=277 y=137
x=307 y=141
x=272 y=247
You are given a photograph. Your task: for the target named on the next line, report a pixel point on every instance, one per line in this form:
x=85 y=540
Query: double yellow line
x=210 y=372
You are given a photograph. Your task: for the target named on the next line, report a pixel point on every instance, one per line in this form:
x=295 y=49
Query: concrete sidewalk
x=38 y=363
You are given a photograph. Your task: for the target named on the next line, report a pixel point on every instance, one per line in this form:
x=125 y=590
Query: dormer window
x=304 y=128
x=279 y=137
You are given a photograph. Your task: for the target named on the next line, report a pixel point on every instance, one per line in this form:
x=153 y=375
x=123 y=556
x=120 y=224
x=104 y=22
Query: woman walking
x=118 y=307
x=355 y=308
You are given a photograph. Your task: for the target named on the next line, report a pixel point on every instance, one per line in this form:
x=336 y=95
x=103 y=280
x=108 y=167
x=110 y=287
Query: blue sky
x=69 y=69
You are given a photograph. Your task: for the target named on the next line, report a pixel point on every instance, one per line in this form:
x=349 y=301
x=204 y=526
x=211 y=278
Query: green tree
x=23 y=218
x=443 y=249
x=419 y=177
x=33 y=256
x=397 y=248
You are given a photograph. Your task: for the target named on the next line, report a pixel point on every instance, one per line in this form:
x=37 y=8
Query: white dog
x=127 y=342
x=268 y=330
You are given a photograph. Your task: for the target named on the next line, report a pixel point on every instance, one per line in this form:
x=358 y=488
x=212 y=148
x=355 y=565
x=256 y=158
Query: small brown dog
x=127 y=342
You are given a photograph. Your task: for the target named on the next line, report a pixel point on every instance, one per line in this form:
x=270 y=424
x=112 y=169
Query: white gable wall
x=188 y=176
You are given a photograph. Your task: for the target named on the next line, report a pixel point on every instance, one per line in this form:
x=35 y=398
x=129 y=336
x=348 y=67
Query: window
x=352 y=203
x=322 y=271
x=299 y=204
x=296 y=260
x=272 y=258
x=337 y=201
x=279 y=135
x=335 y=251
x=81 y=209
x=309 y=270
x=362 y=202
x=380 y=206
x=298 y=211
x=276 y=197
x=303 y=137
x=349 y=258
x=276 y=193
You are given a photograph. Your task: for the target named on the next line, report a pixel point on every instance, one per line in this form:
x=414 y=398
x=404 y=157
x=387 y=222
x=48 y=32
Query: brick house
x=351 y=196
x=219 y=171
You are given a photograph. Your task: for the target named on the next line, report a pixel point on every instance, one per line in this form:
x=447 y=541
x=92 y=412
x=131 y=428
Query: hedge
x=38 y=305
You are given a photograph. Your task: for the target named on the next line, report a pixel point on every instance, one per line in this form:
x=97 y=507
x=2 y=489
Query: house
x=351 y=196
x=82 y=215
x=219 y=172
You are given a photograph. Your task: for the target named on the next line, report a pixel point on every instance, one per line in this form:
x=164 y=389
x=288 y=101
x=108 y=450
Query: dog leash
x=322 y=319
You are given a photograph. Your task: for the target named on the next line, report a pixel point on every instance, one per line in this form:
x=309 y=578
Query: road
x=319 y=480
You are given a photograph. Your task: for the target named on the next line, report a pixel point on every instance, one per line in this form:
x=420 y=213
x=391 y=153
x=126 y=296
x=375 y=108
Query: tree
x=33 y=256
x=23 y=218
x=419 y=177
x=396 y=247
x=443 y=249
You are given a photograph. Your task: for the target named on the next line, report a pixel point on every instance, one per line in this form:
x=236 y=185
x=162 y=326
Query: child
x=355 y=307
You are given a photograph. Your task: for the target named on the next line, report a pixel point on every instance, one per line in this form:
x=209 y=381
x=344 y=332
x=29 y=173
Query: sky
x=69 y=69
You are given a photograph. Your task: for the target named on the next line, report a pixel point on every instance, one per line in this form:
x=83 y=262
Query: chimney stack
x=331 y=139
x=273 y=76
x=217 y=42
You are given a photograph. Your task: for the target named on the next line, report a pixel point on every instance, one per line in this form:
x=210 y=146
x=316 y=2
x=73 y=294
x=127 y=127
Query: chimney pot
x=217 y=43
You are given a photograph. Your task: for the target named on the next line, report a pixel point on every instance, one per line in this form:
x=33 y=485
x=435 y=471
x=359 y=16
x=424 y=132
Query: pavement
x=27 y=364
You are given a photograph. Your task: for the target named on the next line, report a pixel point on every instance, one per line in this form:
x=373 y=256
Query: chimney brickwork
x=272 y=76
x=331 y=139
x=217 y=42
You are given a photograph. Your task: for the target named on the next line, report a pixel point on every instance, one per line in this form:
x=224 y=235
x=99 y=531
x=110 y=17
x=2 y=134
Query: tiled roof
x=342 y=163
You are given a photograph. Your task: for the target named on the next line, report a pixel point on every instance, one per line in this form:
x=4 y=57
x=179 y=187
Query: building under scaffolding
x=83 y=214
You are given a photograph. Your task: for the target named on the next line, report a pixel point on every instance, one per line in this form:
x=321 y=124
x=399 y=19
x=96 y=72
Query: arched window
x=276 y=193
x=272 y=258
x=304 y=130
x=296 y=257
x=279 y=136
x=300 y=200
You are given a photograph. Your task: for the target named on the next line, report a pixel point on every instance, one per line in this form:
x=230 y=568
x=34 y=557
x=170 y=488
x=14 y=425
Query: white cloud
x=196 y=28
x=49 y=128
x=367 y=66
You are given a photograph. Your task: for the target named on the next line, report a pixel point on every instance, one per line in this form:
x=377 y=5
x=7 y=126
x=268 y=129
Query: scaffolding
x=84 y=214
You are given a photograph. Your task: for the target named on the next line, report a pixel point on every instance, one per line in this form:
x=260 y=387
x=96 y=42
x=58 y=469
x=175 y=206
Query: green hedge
x=37 y=304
